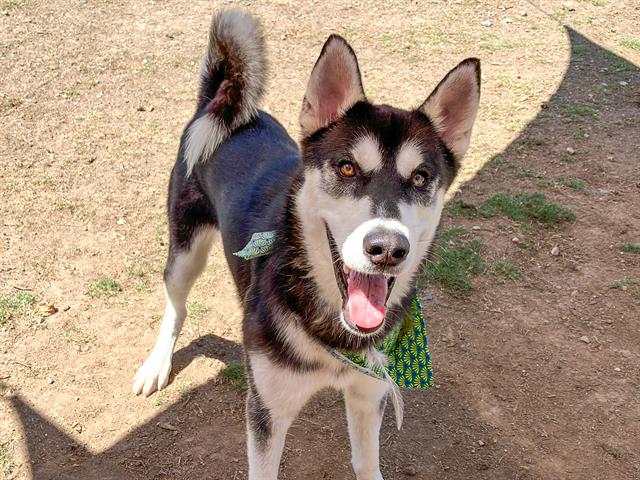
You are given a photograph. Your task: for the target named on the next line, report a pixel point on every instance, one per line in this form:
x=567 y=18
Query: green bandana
x=408 y=362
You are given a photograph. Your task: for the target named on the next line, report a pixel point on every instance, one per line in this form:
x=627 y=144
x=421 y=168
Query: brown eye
x=347 y=169
x=419 y=179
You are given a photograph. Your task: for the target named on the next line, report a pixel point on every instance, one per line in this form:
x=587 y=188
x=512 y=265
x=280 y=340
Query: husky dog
x=354 y=210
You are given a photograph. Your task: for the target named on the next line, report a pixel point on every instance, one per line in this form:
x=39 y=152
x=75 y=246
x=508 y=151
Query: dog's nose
x=386 y=248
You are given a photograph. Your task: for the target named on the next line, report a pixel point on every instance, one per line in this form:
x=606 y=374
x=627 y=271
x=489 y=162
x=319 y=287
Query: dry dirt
x=94 y=95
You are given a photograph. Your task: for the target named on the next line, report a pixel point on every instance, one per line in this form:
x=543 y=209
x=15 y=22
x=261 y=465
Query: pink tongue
x=366 y=298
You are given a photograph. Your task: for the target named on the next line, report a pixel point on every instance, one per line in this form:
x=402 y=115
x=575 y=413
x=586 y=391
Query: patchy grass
x=505 y=270
x=6 y=462
x=632 y=44
x=525 y=207
x=630 y=248
x=16 y=305
x=460 y=209
x=518 y=171
x=580 y=133
x=580 y=49
x=566 y=157
x=628 y=285
x=140 y=267
x=624 y=283
x=195 y=309
x=106 y=287
x=455 y=259
x=618 y=64
x=235 y=375
x=597 y=3
x=579 y=112
x=573 y=183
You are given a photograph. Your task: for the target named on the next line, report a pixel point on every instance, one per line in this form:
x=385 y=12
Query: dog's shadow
x=202 y=436
x=211 y=346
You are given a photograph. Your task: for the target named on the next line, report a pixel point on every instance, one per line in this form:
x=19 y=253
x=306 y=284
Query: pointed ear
x=334 y=86
x=453 y=105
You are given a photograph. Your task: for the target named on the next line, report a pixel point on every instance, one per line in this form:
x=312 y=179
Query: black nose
x=385 y=248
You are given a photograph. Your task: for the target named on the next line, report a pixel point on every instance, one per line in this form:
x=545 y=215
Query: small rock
x=623 y=83
x=475 y=227
x=167 y=426
x=555 y=251
x=410 y=471
x=585 y=339
x=524 y=14
x=481 y=443
x=48 y=310
x=569 y=6
x=487 y=23
x=50 y=380
x=617 y=369
x=515 y=240
x=507 y=21
x=570 y=151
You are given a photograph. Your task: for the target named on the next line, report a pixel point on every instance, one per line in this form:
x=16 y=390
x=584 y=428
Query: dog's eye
x=419 y=179
x=347 y=169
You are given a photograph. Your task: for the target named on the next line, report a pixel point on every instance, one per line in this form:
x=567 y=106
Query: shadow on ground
x=441 y=432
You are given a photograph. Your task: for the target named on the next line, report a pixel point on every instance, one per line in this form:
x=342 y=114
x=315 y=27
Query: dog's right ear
x=335 y=85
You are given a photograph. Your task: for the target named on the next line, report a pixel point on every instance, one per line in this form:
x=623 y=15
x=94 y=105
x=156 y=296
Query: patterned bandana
x=405 y=349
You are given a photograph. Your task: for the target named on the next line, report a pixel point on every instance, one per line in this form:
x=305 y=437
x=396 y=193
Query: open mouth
x=364 y=296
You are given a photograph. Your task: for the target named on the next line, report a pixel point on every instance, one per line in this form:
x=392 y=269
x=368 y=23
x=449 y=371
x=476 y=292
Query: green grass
x=625 y=282
x=597 y=3
x=518 y=171
x=524 y=207
x=16 y=305
x=235 y=375
x=580 y=133
x=455 y=259
x=566 y=157
x=580 y=49
x=630 y=248
x=632 y=44
x=106 y=287
x=195 y=309
x=459 y=209
x=573 y=183
x=578 y=111
x=505 y=270
x=6 y=463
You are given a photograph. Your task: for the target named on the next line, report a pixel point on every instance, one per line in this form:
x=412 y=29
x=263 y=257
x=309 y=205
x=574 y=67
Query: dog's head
x=374 y=182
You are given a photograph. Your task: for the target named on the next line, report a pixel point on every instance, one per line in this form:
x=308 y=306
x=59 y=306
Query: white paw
x=153 y=374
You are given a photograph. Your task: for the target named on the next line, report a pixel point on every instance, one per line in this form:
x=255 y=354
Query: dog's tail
x=231 y=83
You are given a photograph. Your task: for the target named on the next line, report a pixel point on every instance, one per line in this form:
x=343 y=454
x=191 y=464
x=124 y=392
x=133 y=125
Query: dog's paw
x=153 y=374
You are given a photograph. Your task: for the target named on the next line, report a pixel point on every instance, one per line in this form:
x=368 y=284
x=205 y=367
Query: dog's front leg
x=276 y=396
x=365 y=401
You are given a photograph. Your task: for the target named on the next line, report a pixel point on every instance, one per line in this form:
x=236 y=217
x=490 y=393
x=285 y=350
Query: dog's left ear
x=453 y=105
x=334 y=86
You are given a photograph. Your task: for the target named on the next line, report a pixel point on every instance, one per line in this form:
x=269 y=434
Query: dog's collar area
x=405 y=348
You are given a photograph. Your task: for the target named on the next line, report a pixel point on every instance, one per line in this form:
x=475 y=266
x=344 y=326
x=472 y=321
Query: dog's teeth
x=346 y=269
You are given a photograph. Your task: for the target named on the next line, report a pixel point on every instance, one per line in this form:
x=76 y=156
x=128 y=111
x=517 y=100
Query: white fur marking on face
x=343 y=215
x=421 y=222
x=366 y=152
x=408 y=159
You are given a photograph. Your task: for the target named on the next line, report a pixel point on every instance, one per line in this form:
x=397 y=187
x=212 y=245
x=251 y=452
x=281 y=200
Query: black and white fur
x=239 y=172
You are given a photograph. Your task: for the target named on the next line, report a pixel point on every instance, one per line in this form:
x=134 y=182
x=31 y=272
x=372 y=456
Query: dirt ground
x=536 y=378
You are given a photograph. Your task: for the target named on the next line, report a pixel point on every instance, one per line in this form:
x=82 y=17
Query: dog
x=353 y=211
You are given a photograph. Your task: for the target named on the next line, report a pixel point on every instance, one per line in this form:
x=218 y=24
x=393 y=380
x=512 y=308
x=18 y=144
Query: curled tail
x=231 y=83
